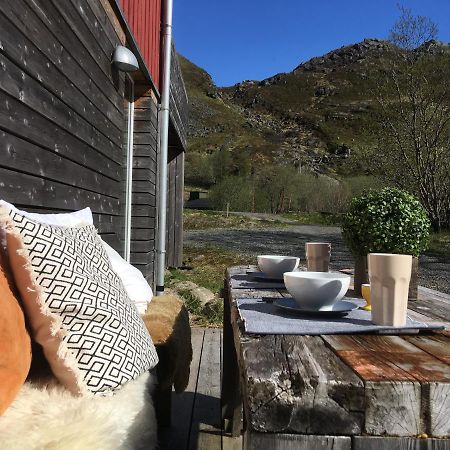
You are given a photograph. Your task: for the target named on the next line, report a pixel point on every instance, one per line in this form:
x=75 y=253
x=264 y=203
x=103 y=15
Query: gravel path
x=434 y=269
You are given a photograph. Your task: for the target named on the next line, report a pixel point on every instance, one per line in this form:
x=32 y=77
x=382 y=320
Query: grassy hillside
x=320 y=116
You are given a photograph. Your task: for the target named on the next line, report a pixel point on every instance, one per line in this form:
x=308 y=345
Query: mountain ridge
x=318 y=116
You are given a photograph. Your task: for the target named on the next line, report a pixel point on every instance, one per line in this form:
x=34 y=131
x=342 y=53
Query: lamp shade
x=124 y=59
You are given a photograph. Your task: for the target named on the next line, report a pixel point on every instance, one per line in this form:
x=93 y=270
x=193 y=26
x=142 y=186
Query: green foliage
x=235 y=190
x=363 y=183
x=314 y=218
x=320 y=194
x=199 y=169
x=278 y=189
x=387 y=221
x=203 y=220
x=440 y=243
x=193 y=304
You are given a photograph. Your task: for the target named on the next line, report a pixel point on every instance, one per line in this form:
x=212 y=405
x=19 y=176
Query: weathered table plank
x=394 y=368
x=296 y=384
x=262 y=441
x=432 y=305
x=436 y=345
x=296 y=389
x=396 y=443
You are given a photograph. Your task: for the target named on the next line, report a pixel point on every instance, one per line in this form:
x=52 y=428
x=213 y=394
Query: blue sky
x=236 y=40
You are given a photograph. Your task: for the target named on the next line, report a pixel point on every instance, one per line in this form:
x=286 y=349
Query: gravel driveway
x=434 y=270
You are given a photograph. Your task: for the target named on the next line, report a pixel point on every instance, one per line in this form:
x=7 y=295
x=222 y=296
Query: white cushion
x=72 y=219
x=77 y=307
x=136 y=286
x=134 y=282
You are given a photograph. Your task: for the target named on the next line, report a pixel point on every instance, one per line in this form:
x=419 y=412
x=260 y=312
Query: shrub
x=320 y=194
x=387 y=221
x=199 y=169
x=363 y=183
x=237 y=191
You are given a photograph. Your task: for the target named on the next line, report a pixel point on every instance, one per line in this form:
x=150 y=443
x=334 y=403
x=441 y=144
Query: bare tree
x=414 y=96
x=410 y=32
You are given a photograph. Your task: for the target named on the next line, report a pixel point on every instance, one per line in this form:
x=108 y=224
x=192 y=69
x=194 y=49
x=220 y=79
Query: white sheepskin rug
x=50 y=418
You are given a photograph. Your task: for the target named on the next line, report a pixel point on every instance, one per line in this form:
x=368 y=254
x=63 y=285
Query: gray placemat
x=242 y=281
x=263 y=317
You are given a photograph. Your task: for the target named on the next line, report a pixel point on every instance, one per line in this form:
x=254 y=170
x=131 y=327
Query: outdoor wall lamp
x=124 y=59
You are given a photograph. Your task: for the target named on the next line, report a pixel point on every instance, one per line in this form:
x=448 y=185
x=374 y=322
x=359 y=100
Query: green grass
x=314 y=218
x=204 y=317
x=208 y=270
x=440 y=243
x=204 y=220
x=208 y=266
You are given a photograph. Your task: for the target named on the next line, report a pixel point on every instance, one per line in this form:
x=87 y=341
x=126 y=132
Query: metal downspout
x=129 y=179
x=163 y=148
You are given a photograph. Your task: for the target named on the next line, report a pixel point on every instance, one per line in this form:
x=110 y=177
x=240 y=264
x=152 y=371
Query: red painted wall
x=144 y=18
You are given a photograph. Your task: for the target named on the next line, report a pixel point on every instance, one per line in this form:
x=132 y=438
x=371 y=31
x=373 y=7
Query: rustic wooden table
x=365 y=392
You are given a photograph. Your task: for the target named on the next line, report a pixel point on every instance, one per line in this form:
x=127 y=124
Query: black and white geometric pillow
x=91 y=332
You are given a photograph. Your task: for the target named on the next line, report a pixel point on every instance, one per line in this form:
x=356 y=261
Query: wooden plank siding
x=143 y=211
x=144 y=18
x=175 y=189
x=63 y=118
x=61 y=111
x=178 y=106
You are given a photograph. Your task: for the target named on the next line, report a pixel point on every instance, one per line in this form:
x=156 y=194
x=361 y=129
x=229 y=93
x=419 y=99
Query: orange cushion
x=15 y=346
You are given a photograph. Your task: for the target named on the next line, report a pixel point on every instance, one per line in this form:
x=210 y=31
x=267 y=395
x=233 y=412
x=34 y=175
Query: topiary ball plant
x=386 y=221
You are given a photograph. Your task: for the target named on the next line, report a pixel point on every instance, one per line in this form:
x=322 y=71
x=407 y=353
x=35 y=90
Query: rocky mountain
x=318 y=116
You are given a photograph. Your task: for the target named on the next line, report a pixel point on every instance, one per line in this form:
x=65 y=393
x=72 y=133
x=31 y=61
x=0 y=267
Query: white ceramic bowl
x=316 y=290
x=274 y=266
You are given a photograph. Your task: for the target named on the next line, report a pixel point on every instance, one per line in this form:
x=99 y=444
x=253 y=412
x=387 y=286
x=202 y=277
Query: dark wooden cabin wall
x=144 y=181
x=175 y=169
x=61 y=110
x=63 y=119
x=175 y=190
x=178 y=103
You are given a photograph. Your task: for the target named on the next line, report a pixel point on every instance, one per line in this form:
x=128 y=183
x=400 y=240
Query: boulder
x=203 y=295
x=200 y=293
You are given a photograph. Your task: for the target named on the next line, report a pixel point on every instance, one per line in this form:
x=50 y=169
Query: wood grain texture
x=145 y=141
x=231 y=443
x=108 y=20
x=182 y=404
x=393 y=443
x=206 y=412
x=296 y=384
x=17 y=119
x=27 y=189
x=178 y=102
x=436 y=345
x=393 y=408
x=403 y=381
x=61 y=114
x=232 y=406
x=175 y=185
x=266 y=441
x=432 y=306
x=80 y=96
x=406 y=387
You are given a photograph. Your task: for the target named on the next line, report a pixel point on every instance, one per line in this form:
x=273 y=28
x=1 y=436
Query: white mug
x=318 y=256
